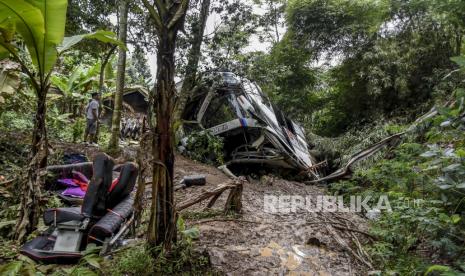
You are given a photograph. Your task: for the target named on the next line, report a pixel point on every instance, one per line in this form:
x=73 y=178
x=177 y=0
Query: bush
x=205 y=147
x=134 y=260
x=424 y=181
x=143 y=260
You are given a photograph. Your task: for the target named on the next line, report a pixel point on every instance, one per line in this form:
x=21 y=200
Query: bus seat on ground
x=108 y=209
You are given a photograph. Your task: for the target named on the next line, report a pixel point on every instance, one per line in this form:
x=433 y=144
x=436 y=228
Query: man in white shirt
x=92 y=119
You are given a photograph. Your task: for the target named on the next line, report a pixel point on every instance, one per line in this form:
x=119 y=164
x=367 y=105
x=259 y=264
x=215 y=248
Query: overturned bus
x=254 y=131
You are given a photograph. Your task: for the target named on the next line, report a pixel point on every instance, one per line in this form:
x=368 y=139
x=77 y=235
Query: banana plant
x=75 y=86
x=40 y=25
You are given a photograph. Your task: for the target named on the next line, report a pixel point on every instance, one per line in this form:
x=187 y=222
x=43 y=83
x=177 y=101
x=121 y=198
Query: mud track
x=258 y=242
x=261 y=243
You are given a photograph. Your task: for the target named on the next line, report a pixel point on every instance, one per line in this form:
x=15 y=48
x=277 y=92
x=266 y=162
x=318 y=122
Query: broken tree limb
x=340 y=226
x=346 y=170
x=215 y=193
x=346 y=247
x=213 y=201
x=315 y=167
x=358 y=157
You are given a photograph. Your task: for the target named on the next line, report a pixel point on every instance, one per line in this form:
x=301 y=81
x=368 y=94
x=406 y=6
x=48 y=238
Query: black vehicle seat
x=59 y=215
x=95 y=198
x=119 y=205
x=94 y=204
x=124 y=186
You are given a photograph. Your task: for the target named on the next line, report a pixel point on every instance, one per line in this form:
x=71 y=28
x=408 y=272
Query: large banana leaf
x=27 y=20
x=103 y=36
x=41 y=24
x=54 y=14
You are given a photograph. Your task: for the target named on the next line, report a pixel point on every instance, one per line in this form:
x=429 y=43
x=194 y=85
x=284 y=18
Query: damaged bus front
x=254 y=130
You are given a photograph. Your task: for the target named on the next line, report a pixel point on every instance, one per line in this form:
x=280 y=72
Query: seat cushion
x=59 y=215
x=40 y=249
x=108 y=225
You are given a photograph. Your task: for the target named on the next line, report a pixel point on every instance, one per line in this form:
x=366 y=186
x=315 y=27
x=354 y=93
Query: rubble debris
x=131 y=127
x=194 y=180
x=255 y=131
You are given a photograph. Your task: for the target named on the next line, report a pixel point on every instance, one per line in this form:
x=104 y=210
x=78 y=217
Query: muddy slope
x=261 y=243
x=257 y=242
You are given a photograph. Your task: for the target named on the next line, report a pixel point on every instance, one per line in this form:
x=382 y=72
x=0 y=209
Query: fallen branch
x=344 y=228
x=346 y=247
x=355 y=230
x=227 y=171
x=377 y=147
x=215 y=193
x=358 y=157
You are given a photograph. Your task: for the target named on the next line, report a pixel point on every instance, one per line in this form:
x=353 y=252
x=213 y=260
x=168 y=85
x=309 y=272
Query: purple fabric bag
x=74 y=192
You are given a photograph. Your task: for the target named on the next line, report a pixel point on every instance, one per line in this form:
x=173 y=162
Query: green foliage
x=195 y=215
x=100 y=35
x=344 y=64
x=104 y=134
x=12 y=121
x=78 y=129
x=335 y=25
x=205 y=147
x=11 y=269
x=135 y=260
x=292 y=82
x=40 y=24
x=141 y=260
x=182 y=257
x=424 y=182
x=226 y=46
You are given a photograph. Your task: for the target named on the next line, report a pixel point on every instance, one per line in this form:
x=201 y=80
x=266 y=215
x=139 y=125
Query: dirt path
x=261 y=243
x=257 y=242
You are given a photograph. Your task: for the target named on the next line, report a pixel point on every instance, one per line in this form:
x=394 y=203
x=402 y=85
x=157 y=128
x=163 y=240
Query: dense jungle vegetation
x=351 y=72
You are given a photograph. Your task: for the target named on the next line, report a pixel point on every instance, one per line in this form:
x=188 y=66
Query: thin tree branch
x=154 y=15
x=161 y=8
x=180 y=13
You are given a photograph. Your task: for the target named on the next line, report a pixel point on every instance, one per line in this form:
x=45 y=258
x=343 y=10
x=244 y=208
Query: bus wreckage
x=254 y=131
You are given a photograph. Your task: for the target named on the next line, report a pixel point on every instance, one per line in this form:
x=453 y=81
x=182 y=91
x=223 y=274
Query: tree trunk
x=122 y=36
x=143 y=154
x=193 y=59
x=104 y=62
x=162 y=226
x=39 y=137
x=30 y=211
